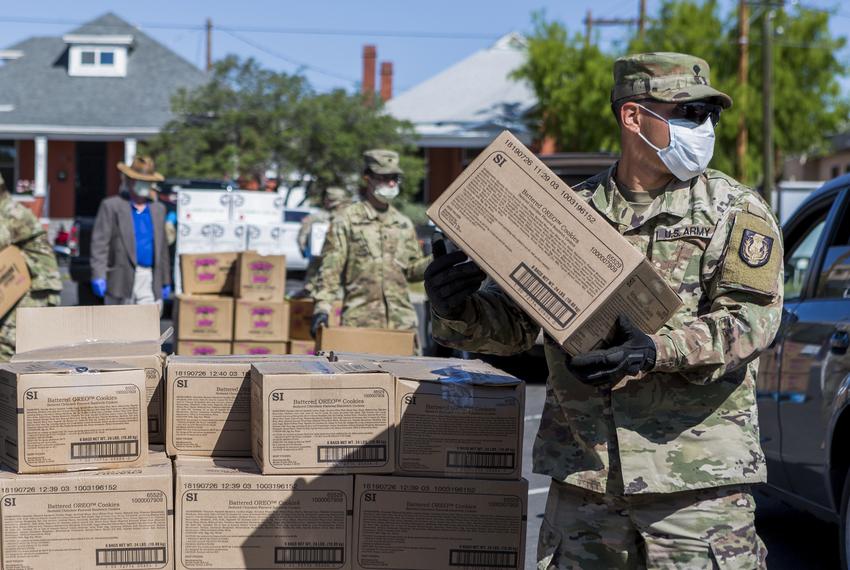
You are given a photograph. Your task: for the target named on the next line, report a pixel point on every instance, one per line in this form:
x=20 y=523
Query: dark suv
x=804 y=377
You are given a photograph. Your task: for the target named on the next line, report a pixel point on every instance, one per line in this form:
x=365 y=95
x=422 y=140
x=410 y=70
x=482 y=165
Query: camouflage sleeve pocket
x=753 y=256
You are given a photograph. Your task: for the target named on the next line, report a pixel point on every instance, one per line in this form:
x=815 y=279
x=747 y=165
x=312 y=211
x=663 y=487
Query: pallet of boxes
x=232 y=303
x=359 y=462
x=80 y=487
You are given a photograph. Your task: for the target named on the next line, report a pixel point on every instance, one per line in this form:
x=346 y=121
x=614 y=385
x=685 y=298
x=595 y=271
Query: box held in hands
x=548 y=249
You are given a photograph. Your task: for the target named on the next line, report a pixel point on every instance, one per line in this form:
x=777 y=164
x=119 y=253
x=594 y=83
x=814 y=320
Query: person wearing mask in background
x=371 y=254
x=334 y=201
x=651 y=441
x=129 y=249
x=19 y=227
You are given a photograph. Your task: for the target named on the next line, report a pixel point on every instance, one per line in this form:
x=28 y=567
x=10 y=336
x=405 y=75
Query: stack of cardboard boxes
x=232 y=303
x=80 y=487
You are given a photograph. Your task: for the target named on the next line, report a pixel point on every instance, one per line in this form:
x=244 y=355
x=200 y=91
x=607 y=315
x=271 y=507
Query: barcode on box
x=352 y=454
x=103 y=449
x=483 y=558
x=11 y=448
x=312 y=555
x=480 y=460
x=543 y=295
x=130 y=556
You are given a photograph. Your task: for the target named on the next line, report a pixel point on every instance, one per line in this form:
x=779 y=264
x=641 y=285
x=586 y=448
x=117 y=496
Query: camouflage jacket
x=371 y=256
x=691 y=422
x=19 y=227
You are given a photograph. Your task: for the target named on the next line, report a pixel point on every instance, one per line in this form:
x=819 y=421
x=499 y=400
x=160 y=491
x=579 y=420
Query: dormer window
x=97 y=56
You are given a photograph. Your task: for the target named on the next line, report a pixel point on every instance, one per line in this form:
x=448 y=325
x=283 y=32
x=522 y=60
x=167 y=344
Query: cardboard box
x=260 y=521
x=259 y=348
x=120 y=518
x=72 y=416
x=204 y=317
x=203 y=348
x=208 y=273
x=263 y=321
x=260 y=277
x=548 y=249
x=314 y=416
x=301 y=347
x=127 y=334
x=368 y=341
x=301 y=318
x=208 y=400
x=457 y=418
x=14 y=278
x=423 y=523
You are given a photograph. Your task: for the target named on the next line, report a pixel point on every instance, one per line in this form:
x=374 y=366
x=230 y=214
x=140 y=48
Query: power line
x=282 y=57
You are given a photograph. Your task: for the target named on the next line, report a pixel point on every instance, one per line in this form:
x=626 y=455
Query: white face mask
x=384 y=193
x=142 y=189
x=691 y=146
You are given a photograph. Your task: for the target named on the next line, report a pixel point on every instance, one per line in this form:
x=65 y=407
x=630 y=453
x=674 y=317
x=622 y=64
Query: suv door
x=801 y=237
x=813 y=364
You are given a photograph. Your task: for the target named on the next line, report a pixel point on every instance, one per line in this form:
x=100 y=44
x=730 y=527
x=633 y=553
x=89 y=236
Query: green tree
x=572 y=81
x=247 y=119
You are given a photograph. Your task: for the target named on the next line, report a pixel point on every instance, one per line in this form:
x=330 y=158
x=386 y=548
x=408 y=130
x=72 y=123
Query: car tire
x=845 y=523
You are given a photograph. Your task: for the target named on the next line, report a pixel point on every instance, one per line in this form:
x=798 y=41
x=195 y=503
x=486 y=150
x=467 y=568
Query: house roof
x=44 y=99
x=469 y=103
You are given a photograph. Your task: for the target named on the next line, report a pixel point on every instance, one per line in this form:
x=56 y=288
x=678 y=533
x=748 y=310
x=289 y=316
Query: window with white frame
x=98 y=56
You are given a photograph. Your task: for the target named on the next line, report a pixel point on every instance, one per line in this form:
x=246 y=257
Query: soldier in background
x=652 y=441
x=334 y=201
x=371 y=253
x=19 y=227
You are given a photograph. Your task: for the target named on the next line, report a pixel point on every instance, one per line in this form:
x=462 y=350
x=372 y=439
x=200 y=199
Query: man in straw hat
x=651 y=441
x=129 y=251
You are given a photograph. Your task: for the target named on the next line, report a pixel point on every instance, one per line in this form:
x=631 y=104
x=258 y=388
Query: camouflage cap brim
x=389 y=169
x=691 y=93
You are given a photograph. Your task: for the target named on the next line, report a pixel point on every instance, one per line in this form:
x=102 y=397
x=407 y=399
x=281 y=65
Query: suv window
x=798 y=260
x=834 y=276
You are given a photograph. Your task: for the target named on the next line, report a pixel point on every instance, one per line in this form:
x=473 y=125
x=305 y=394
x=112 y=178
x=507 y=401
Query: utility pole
x=209 y=44
x=767 y=100
x=641 y=19
x=588 y=28
x=743 y=73
x=590 y=22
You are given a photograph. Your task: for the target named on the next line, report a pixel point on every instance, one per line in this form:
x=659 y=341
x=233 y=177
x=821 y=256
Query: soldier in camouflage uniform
x=334 y=201
x=371 y=253
x=652 y=443
x=19 y=227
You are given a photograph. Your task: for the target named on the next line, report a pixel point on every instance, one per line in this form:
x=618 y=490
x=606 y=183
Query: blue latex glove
x=166 y=292
x=98 y=286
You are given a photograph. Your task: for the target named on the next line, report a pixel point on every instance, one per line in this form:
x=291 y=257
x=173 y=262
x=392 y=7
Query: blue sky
x=333 y=56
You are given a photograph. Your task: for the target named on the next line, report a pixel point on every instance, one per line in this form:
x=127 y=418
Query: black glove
x=449 y=282
x=319 y=320
x=632 y=352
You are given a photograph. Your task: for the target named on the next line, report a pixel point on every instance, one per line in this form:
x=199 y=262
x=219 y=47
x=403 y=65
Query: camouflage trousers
x=8 y=323
x=705 y=529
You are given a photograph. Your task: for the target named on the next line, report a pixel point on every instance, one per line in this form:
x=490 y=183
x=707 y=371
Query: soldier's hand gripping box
x=425 y=523
x=127 y=334
x=549 y=250
x=119 y=518
x=208 y=400
x=315 y=416
x=457 y=418
x=230 y=516
x=72 y=416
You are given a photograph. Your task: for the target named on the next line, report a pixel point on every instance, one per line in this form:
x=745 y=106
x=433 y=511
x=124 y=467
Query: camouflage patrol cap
x=664 y=76
x=382 y=161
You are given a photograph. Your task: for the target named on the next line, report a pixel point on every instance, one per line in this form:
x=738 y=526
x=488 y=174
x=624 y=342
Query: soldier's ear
x=629 y=116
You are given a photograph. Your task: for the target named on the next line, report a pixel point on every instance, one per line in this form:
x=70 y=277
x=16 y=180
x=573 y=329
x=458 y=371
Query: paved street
x=795 y=540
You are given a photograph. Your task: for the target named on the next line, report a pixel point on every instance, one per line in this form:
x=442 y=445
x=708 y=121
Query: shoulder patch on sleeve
x=753 y=255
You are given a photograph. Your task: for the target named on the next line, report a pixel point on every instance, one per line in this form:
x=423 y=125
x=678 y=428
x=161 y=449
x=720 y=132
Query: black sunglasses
x=698 y=111
x=385 y=178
